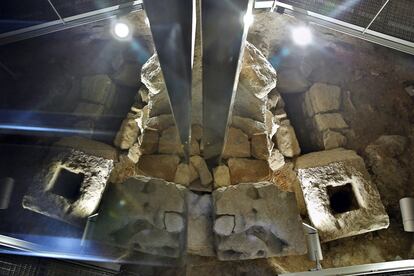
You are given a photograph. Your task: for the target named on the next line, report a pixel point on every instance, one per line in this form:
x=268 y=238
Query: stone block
x=148 y=141
x=160 y=122
x=256 y=220
x=161 y=166
x=243 y=170
x=185 y=174
x=201 y=167
x=332 y=139
x=237 y=144
x=340 y=198
x=260 y=146
x=286 y=141
x=170 y=142
x=247 y=125
x=323 y=98
x=97 y=89
x=329 y=121
x=89 y=147
x=200 y=240
x=70 y=185
x=145 y=215
x=221 y=176
x=128 y=132
x=290 y=80
x=151 y=76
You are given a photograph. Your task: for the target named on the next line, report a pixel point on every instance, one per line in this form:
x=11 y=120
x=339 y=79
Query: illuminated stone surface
x=340 y=198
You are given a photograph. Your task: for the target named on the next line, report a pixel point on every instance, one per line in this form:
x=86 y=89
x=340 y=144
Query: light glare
x=121 y=30
x=302 y=36
x=248 y=19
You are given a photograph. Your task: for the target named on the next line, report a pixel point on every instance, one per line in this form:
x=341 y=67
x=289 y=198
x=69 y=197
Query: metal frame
x=344 y=27
x=69 y=22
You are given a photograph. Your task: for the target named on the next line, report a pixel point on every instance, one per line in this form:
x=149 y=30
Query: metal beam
x=344 y=27
x=70 y=22
x=224 y=34
x=173 y=32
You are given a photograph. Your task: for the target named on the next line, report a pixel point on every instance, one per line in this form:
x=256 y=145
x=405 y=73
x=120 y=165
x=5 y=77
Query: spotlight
x=121 y=30
x=302 y=36
x=248 y=19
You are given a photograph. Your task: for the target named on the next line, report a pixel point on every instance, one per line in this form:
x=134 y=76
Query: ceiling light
x=302 y=35
x=248 y=19
x=121 y=30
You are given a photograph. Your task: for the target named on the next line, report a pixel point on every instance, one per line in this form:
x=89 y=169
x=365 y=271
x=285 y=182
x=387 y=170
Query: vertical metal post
x=223 y=37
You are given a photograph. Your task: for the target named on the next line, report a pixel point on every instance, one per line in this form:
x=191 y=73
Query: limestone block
x=260 y=146
x=122 y=170
x=161 y=166
x=286 y=141
x=194 y=147
x=144 y=93
x=290 y=80
x=221 y=176
x=272 y=123
x=89 y=109
x=237 y=144
x=159 y=104
x=128 y=132
x=256 y=220
x=70 y=186
x=185 y=174
x=243 y=170
x=134 y=153
x=161 y=122
x=323 y=98
x=201 y=167
x=276 y=160
x=247 y=125
x=170 y=142
x=256 y=72
x=96 y=89
x=197 y=132
x=148 y=141
x=274 y=100
x=151 y=76
x=88 y=146
x=285 y=177
x=247 y=105
x=333 y=139
x=329 y=121
x=200 y=235
x=340 y=198
x=144 y=215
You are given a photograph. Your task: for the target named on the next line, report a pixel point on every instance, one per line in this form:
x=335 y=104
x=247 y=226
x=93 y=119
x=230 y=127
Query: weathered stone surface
x=249 y=222
x=96 y=89
x=200 y=235
x=89 y=109
x=144 y=93
x=247 y=125
x=257 y=73
x=221 y=176
x=197 y=132
x=323 y=98
x=333 y=139
x=194 y=147
x=159 y=104
x=128 y=132
x=161 y=166
x=274 y=100
x=70 y=186
x=152 y=77
x=201 y=167
x=237 y=144
x=128 y=75
x=134 y=153
x=170 y=142
x=285 y=177
x=243 y=170
x=287 y=142
x=248 y=105
x=276 y=160
x=88 y=146
x=148 y=141
x=291 y=80
x=143 y=214
x=160 y=122
x=329 y=121
x=122 y=170
x=260 y=146
x=340 y=198
x=271 y=123
x=185 y=174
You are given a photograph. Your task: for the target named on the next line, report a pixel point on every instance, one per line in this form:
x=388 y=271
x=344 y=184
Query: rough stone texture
x=256 y=220
x=159 y=104
x=160 y=122
x=185 y=174
x=128 y=132
x=169 y=142
x=247 y=105
x=286 y=141
x=148 y=141
x=285 y=177
x=88 y=146
x=145 y=215
x=243 y=170
x=221 y=176
x=271 y=122
x=333 y=139
x=360 y=207
x=161 y=166
x=323 y=98
x=257 y=73
x=134 y=153
x=248 y=126
x=97 y=89
x=237 y=144
x=260 y=146
x=200 y=235
x=122 y=170
x=151 y=76
x=49 y=194
x=329 y=121
x=276 y=160
x=292 y=81
x=201 y=167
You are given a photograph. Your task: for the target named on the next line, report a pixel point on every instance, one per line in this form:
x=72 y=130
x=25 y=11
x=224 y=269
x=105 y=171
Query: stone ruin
x=152 y=203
